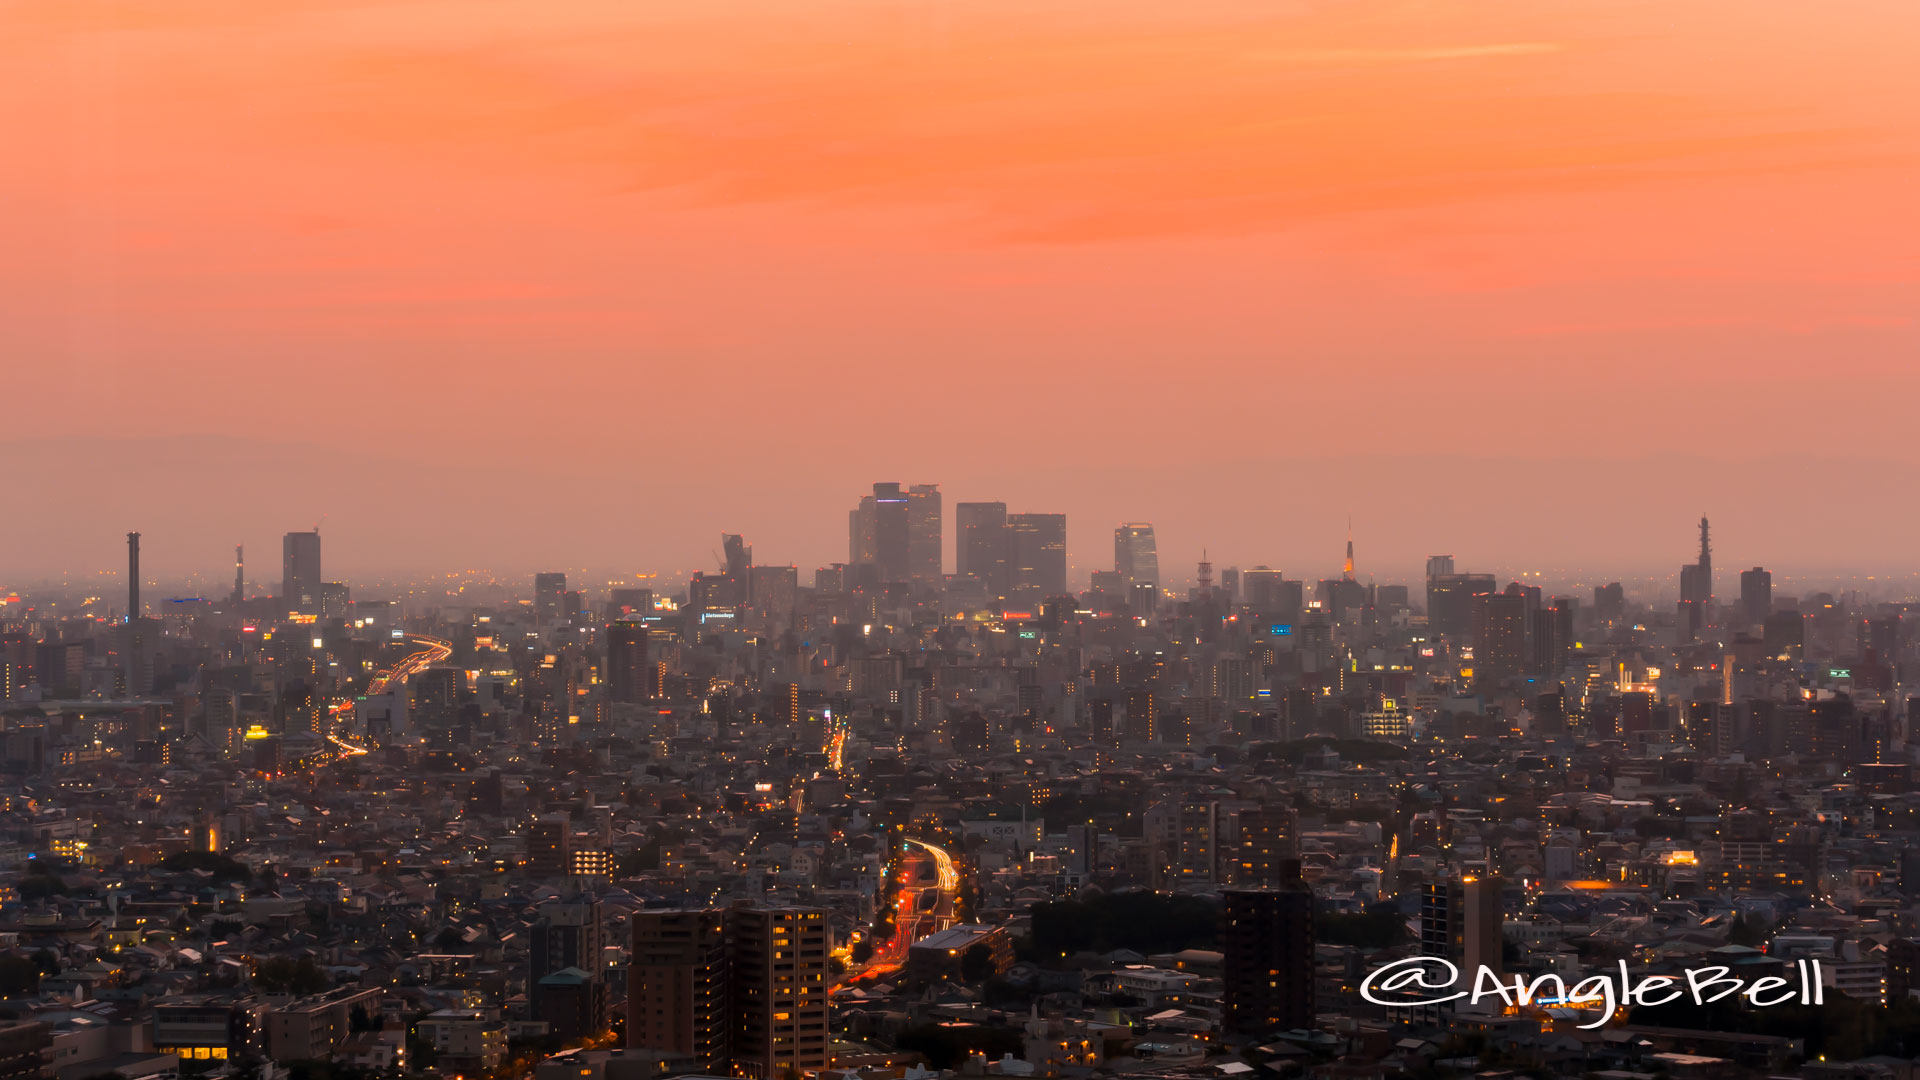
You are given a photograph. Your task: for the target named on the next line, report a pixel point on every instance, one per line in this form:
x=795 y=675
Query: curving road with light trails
x=432 y=651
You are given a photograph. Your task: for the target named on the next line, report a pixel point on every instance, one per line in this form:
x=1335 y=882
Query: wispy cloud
x=1411 y=55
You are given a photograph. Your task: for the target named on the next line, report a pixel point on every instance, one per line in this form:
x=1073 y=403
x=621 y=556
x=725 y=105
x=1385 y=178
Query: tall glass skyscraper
x=1135 y=558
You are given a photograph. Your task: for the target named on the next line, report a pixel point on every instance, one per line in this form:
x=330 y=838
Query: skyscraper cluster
x=896 y=536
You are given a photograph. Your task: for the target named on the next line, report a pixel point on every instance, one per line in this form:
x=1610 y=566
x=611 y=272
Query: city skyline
x=1692 y=581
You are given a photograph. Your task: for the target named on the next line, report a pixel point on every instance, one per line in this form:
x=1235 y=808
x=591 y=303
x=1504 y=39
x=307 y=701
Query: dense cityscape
x=910 y=817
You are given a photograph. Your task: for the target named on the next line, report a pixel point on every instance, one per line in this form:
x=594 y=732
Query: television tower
x=1348 y=572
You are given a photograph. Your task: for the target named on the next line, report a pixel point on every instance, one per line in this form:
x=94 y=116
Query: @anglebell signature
x=1432 y=980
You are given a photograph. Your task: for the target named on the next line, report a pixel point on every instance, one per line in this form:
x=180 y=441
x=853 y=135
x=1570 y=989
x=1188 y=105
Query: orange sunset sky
x=585 y=282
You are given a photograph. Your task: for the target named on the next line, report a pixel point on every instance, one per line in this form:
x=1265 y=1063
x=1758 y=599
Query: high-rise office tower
x=980 y=543
x=679 y=990
x=779 y=978
x=1037 y=553
x=1756 y=595
x=1262 y=588
x=924 y=533
x=1439 y=566
x=219 y=724
x=1391 y=599
x=1450 y=602
x=775 y=591
x=300 y=572
x=879 y=533
x=1136 y=557
x=1551 y=636
x=1267 y=944
x=860 y=532
x=547 y=589
x=739 y=555
x=629 y=671
x=239 y=574
x=716 y=592
x=1609 y=602
x=1696 y=591
x=1499 y=638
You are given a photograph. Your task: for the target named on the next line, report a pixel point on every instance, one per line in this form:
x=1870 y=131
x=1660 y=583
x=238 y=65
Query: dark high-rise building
x=1499 y=638
x=1552 y=636
x=779 y=978
x=925 y=533
x=1609 y=602
x=300 y=572
x=1450 y=602
x=550 y=848
x=879 y=533
x=716 y=592
x=775 y=590
x=566 y=969
x=1266 y=942
x=679 y=990
x=1880 y=637
x=1136 y=557
x=335 y=599
x=1143 y=716
x=980 y=543
x=1037 y=553
x=1696 y=591
x=1756 y=595
x=1784 y=633
x=239 y=574
x=1261 y=586
x=1266 y=843
x=1100 y=725
x=1460 y=920
x=568 y=935
x=629 y=672
x=547 y=590
x=742 y=989
x=738 y=554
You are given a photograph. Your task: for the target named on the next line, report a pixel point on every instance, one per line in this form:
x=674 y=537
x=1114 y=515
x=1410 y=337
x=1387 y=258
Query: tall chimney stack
x=133 y=576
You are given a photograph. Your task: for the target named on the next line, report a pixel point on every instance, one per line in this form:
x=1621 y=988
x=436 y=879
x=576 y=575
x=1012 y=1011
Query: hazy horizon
x=513 y=284
x=456 y=517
